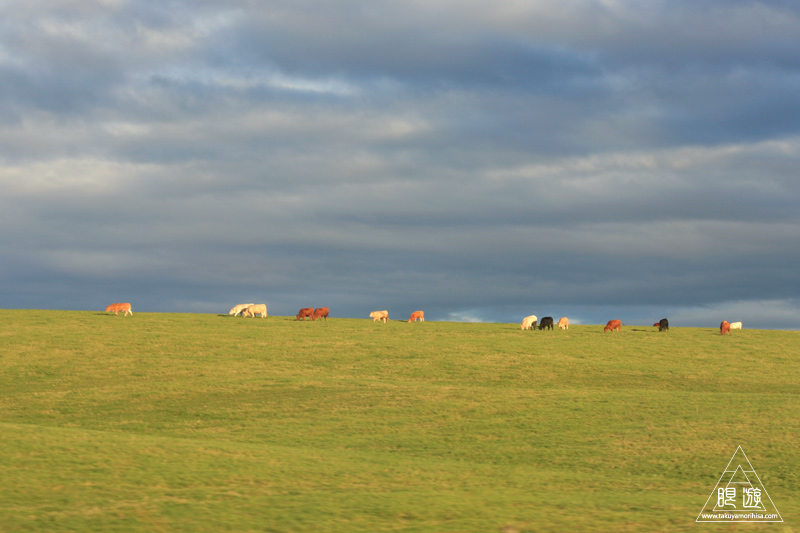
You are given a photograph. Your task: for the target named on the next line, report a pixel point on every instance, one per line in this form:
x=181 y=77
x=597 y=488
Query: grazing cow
x=546 y=323
x=320 y=312
x=237 y=309
x=529 y=322
x=120 y=307
x=656 y=325
x=563 y=323
x=377 y=316
x=663 y=325
x=305 y=312
x=736 y=325
x=417 y=315
x=724 y=328
x=613 y=325
x=255 y=309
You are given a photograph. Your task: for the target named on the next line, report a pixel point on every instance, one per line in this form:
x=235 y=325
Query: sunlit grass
x=163 y=422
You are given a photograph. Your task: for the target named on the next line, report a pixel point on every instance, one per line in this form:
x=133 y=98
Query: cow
x=529 y=322
x=546 y=323
x=305 y=312
x=563 y=323
x=663 y=325
x=724 y=328
x=656 y=325
x=613 y=325
x=320 y=312
x=417 y=315
x=736 y=325
x=255 y=309
x=377 y=316
x=117 y=307
x=237 y=309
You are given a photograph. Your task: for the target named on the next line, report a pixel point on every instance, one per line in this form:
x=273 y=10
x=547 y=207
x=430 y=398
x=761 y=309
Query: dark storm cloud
x=480 y=161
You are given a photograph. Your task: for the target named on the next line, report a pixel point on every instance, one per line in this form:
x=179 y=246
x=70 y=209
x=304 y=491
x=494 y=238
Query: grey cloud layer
x=467 y=157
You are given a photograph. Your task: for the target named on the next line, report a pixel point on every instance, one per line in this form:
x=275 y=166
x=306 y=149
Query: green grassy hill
x=191 y=422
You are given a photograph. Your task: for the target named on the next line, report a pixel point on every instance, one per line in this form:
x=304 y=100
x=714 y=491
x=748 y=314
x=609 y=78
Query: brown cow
x=724 y=328
x=119 y=307
x=304 y=312
x=417 y=315
x=320 y=312
x=613 y=325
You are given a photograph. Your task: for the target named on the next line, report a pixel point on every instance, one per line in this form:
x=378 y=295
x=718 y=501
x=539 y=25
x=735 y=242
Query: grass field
x=191 y=422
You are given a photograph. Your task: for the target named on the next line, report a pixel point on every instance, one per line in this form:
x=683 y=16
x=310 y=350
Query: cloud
x=469 y=159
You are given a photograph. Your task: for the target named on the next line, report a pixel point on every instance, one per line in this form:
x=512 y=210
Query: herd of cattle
x=320 y=312
x=529 y=322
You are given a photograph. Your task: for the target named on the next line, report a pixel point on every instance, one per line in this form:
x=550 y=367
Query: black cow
x=546 y=322
x=663 y=325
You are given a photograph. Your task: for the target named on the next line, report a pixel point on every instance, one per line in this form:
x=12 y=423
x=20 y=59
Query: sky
x=481 y=161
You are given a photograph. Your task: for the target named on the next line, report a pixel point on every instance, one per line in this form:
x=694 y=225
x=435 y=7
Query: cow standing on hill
x=117 y=307
x=417 y=315
x=237 y=309
x=614 y=326
x=320 y=312
x=378 y=316
x=724 y=328
x=663 y=325
x=546 y=323
x=563 y=323
x=255 y=309
x=529 y=322
x=305 y=312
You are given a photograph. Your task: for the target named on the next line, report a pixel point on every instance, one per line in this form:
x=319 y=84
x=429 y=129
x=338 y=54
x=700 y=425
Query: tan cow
x=237 y=309
x=255 y=309
x=377 y=316
x=724 y=328
x=614 y=326
x=417 y=315
x=563 y=323
x=120 y=307
x=736 y=325
x=529 y=322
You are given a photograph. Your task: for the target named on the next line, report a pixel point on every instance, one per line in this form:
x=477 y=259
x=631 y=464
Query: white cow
x=237 y=309
x=256 y=309
x=528 y=322
x=736 y=325
x=377 y=316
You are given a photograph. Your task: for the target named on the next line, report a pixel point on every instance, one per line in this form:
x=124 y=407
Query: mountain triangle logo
x=739 y=495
